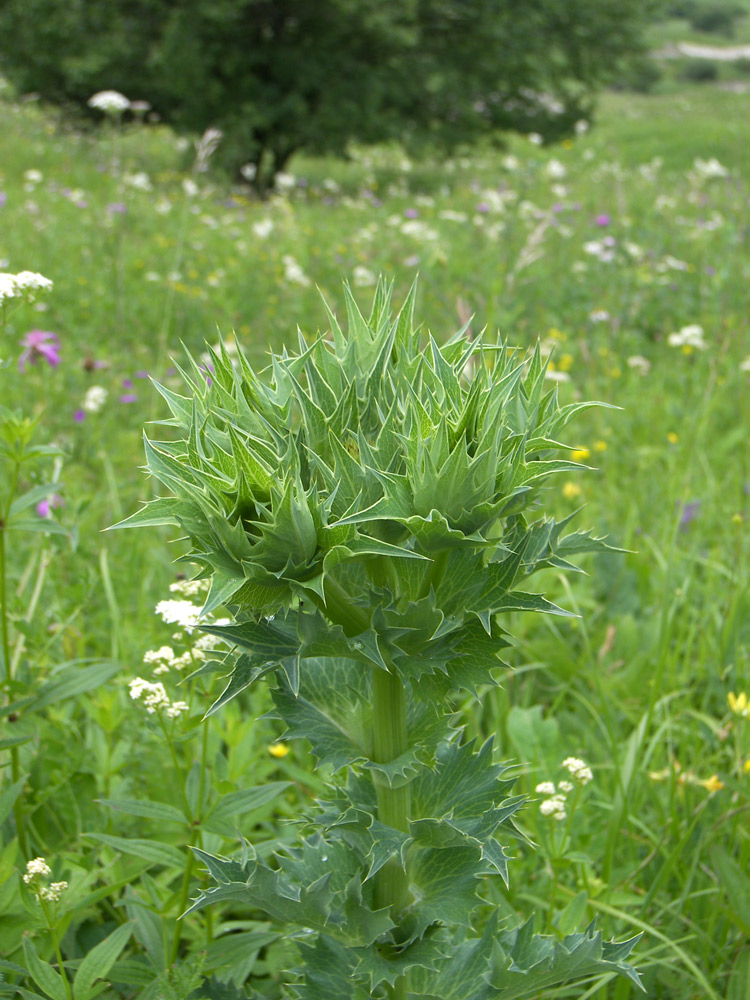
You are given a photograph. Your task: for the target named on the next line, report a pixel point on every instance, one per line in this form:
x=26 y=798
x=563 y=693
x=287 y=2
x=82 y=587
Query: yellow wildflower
x=580 y=454
x=672 y=437
x=712 y=784
x=571 y=490
x=746 y=766
x=278 y=750
x=566 y=362
x=556 y=334
x=737 y=518
x=600 y=445
x=739 y=704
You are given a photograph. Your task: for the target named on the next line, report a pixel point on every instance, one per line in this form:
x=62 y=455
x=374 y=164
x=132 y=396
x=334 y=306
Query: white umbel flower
x=36 y=868
x=182 y=613
x=94 y=399
x=579 y=769
x=111 y=102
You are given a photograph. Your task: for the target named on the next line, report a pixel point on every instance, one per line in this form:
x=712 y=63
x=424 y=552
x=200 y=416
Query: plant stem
x=58 y=953
x=390 y=739
x=184 y=893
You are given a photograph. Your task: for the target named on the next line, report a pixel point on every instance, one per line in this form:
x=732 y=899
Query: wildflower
x=690 y=336
x=599 y=316
x=278 y=750
x=746 y=766
x=708 y=169
x=689 y=513
x=545 y=788
x=603 y=219
x=712 y=784
x=111 y=102
x=45 y=507
x=36 y=868
x=190 y=187
x=554 y=807
x=23 y=283
x=581 y=127
x=293 y=272
x=262 y=228
x=95 y=398
x=565 y=786
x=139 y=180
x=284 y=182
x=154 y=695
x=117 y=208
x=739 y=704
x=555 y=376
x=745 y=365
x=32 y=176
x=155 y=656
x=535 y=139
x=363 y=276
x=177 y=708
x=129 y=397
x=600 y=445
x=580 y=454
x=555 y=170
x=40 y=344
x=579 y=769
x=190 y=588
x=672 y=437
x=639 y=364
x=182 y=613
x=571 y=490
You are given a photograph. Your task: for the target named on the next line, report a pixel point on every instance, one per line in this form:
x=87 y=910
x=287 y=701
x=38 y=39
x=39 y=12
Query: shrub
x=700 y=71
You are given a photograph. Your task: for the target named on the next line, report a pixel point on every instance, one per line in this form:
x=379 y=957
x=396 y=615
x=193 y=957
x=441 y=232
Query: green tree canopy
x=282 y=75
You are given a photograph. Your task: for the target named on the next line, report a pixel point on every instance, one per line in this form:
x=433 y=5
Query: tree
x=278 y=76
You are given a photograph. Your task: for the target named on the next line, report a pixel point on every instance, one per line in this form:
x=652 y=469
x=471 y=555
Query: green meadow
x=625 y=252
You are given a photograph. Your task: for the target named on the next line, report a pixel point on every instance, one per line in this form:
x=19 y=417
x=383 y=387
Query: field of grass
x=612 y=250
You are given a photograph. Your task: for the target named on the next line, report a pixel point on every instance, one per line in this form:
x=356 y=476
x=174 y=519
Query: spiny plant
x=365 y=509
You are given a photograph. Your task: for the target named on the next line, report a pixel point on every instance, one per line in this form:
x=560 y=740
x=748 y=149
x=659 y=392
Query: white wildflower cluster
x=111 y=102
x=362 y=277
x=263 y=228
x=639 y=364
x=284 y=182
x=196 y=588
x=94 y=399
x=293 y=273
x=745 y=364
x=37 y=871
x=23 y=284
x=182 y=613
x=580 y=771
x=690 y=337
x=139 y=181
x=155 y=698
x=555 y=170
x=603 y=250
x=554 y=806
x=706 y=170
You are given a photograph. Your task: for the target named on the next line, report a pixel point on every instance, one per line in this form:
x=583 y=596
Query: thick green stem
x=391 y=740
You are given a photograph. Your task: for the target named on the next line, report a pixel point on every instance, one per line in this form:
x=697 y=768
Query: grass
x=637 y=685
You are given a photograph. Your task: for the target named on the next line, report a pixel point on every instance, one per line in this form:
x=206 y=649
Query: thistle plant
x=367 y=510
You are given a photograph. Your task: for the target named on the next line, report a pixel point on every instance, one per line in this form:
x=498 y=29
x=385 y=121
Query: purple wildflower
x=603 y=219
x=117 y=208
x=128 y=397
x=483 y=207
x=411 y=213
x=141 y=373
x=127 y=383
x=79 y=416
x=45 y=507
x=3 y=198
x=689 y=513
x=40 y=344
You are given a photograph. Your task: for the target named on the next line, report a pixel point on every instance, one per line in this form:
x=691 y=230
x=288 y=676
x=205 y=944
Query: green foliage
x=365 y=508
x=279 y=77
